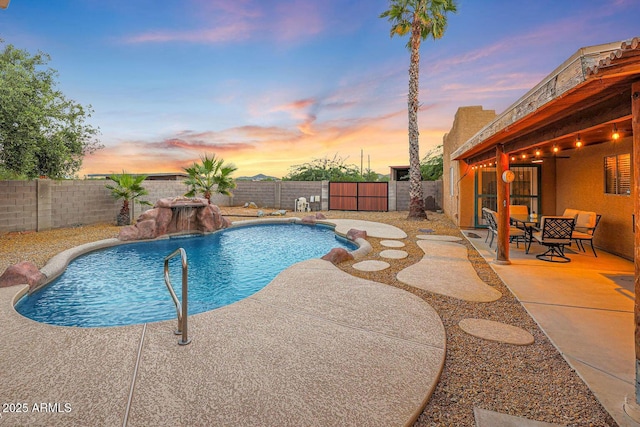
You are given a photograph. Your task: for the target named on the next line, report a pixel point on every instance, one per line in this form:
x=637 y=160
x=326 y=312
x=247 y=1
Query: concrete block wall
x=291 y=190
x=44 y=204
x=429 y=189
x=18 y=206
x=262 y=193
x=80 y=202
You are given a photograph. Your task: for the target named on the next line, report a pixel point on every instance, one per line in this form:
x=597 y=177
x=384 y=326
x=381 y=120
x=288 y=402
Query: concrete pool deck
x=317 y=346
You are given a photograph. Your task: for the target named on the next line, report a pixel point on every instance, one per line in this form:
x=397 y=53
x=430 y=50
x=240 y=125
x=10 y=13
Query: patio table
x=528 y=224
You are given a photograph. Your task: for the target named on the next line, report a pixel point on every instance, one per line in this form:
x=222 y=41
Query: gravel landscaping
x=531 y=381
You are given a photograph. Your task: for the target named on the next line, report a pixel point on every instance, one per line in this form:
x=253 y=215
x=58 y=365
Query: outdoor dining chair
x=580 y=235
x=515 y=234
x=555 y=233
x=518 y=210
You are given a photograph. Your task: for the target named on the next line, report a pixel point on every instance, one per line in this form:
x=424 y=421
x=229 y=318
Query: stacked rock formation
x=173 y=216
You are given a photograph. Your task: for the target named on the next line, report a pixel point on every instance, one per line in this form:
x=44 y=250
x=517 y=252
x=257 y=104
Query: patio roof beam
x=615 y=108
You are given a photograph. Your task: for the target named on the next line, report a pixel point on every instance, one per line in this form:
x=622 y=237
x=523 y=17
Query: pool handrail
x=181 y=308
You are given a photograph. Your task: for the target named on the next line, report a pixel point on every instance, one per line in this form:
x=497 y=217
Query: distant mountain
x=259 y=177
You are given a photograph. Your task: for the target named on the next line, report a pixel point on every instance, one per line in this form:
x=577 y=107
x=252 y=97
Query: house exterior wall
x=457 y=177
x=580 y=185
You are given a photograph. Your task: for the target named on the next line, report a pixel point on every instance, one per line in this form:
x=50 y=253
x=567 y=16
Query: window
x=617 y=174
x=451 y=181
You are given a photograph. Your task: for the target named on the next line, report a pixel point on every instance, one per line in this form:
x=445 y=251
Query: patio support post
x=502 y=164
x=635 y=121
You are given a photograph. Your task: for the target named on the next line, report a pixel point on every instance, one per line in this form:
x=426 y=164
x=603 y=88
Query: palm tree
x=210 y=173
x=423 y=19
x=128 y=188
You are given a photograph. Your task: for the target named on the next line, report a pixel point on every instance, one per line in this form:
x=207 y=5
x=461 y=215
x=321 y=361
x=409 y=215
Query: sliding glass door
x=525 y=190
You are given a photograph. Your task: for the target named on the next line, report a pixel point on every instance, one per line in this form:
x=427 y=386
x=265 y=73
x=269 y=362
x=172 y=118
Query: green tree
x=128 y=188
x=324 y=169
x=209 y=176
x=422 y=19
x=41 y=131
x=432 y=164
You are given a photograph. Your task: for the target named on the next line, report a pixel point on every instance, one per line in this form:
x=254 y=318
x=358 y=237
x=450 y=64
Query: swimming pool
x=124 y=285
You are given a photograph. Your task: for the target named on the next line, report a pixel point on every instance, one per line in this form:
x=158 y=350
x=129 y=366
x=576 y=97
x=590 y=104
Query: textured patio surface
x=317 y=346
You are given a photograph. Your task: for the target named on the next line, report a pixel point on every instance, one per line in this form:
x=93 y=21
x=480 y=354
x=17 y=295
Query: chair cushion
x=515 y=231
x=572 y=213
x=585 y=220
x=581 y=236
x=518 y=210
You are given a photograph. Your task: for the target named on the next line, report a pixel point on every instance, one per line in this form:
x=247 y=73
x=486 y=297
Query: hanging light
x=578 y=142
x=524 y=156
x=615 y=135
x=538 y=152
x=513 y=158
x=555 y=149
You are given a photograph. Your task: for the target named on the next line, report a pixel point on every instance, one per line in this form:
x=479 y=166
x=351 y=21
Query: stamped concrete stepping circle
x=371 y=265
x=394 y=254
x=392 y=243
x=439 y=237
x=496 y=331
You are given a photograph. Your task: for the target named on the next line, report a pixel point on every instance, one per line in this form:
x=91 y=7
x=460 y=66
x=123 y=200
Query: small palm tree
x=423 y=19
x=128 y=188
x=209 y=176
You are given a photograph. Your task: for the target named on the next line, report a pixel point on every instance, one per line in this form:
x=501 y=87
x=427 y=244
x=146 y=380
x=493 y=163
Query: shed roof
x=586 y=94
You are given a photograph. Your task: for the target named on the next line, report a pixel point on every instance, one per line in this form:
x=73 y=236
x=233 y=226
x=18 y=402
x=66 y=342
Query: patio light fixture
x=578 y=142
x=555 y=149
x=524 y=156
x=538 y=153
x=615 y=135
x=513 y=158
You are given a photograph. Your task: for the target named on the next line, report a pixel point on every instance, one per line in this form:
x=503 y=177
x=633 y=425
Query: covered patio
x=576 y=134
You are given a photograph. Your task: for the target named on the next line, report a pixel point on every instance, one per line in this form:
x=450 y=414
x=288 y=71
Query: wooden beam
x=502 y=164
x=613 y=108
x=635 y=121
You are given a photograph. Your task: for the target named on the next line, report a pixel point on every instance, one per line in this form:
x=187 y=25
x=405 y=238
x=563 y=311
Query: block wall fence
x=44 y=204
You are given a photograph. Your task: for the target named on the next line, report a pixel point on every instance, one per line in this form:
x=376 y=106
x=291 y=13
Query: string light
x=578 y=141
x=555 y=149
x=513 y=158
x=524 y=156
x=615 y=135
x=538 y=153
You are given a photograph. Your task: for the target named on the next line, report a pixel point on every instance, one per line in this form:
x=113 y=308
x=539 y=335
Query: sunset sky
x=267 y=84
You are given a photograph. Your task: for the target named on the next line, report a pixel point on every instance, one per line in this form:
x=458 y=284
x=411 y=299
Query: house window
x=451 y=181
x=617 y=174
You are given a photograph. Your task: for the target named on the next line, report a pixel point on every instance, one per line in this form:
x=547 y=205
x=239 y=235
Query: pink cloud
x=224 y=21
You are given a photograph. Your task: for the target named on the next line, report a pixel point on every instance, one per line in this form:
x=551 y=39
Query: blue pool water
x=124 y=284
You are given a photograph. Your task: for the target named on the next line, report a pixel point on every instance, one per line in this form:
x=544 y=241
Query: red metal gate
x=359 y=196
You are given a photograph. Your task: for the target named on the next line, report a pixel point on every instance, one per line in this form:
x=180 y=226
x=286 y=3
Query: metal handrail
x=181 y=309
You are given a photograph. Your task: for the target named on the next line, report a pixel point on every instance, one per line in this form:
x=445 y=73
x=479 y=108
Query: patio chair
x=582 y=234
x=515 y=234
x=492 y=226
x=555 y=233
x=518 y=210
x=301 y=205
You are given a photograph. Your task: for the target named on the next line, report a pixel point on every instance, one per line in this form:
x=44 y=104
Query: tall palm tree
x=128 y=188
x=423 y=19
x=210 y=175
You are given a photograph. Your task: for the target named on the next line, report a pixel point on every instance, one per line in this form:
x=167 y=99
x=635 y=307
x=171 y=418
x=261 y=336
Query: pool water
x=124 y=284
